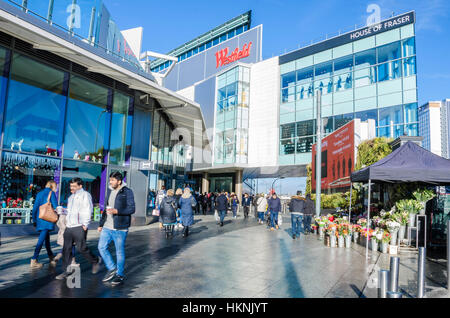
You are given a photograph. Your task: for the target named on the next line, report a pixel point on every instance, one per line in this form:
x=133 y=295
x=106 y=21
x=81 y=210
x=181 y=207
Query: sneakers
x=272 y=229
x=109 y=275
x=62 y=276
x=96 y=266
x=293 y=237
x=276 y=226
x=53 y=261
x=74 y=263
x=34 y=264
x=221 y=223
x=117 y=280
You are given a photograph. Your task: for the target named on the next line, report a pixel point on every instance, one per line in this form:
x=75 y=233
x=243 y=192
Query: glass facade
x=57 y=125
x=231 y=123
x=372 y=78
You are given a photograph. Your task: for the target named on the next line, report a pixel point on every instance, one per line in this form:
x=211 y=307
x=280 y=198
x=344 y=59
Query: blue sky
x=290 y=23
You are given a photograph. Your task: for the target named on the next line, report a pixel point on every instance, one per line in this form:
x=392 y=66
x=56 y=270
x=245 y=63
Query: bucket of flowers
x=376 y=238
x=356 y=229
x=393 y=227
x=340 y=234
x=367 y=234
x=331 y=235
x=386 y=238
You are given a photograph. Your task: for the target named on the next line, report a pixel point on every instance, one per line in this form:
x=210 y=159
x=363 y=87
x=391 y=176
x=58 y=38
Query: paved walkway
x=241 y=259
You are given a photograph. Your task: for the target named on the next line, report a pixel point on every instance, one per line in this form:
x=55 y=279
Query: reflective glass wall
x=373 y=78
x=231 y=123
x=57 y=125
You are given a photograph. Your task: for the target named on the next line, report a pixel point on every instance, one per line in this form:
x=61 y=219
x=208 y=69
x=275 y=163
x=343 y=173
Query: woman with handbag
x=45 y=197
x=187 y=203
x=168 y=212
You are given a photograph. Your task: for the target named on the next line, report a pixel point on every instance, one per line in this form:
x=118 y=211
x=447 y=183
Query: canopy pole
x=368 y=219
x=350 y=206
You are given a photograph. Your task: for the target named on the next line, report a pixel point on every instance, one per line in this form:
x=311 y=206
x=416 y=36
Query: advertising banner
x=338 y=156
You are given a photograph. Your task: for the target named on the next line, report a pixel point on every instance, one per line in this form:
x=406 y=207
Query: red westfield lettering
x=222 y=57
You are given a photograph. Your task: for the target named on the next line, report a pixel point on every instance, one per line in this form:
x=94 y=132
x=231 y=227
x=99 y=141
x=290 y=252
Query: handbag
x=155 y=212
x=46 y=211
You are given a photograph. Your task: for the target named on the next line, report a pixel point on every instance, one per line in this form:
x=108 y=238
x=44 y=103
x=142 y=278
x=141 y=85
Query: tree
x=371 y=151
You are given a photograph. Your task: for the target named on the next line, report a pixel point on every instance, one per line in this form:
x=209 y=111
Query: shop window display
x=21 y=178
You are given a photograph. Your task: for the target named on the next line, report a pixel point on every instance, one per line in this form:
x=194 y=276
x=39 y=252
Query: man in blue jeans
x=114 y=226
x=221 y=206
x=297 y=209
x=274 y=207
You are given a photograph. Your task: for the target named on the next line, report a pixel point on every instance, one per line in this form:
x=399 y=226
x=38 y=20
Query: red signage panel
x=222 y=57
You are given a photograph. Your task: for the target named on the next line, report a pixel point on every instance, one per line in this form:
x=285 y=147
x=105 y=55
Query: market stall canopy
x=409 y=163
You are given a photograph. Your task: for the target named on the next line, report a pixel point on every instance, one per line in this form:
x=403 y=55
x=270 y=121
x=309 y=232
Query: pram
x=170 y=227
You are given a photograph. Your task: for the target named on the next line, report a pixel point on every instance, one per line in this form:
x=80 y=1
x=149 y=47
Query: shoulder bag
x=46 y=211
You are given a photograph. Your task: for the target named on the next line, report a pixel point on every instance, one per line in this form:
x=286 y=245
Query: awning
x=183 y=112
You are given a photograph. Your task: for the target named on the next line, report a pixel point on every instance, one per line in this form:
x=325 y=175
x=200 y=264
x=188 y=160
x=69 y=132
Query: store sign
x=147 y=165
x=222 y=57
x=338 y=156
x=381 y=27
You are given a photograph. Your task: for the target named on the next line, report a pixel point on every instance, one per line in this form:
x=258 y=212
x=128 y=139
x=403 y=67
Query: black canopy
x=409 y=163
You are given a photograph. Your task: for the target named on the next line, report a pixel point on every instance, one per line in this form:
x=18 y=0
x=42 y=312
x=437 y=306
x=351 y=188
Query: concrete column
x=238 y=184
x=205 y=182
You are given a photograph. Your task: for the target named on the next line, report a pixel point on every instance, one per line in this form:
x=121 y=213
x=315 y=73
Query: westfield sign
x=222 y=57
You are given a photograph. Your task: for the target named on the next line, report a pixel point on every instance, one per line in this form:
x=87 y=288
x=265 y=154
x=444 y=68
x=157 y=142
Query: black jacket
x=297 y=204
x=168 y=207
x=310 y=208
x=125 y=206
x=222 y=203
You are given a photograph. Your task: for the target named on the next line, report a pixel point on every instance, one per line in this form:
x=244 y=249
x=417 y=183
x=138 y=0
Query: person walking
x=221 y=206
x=159 y=197
x=187 y=204
x=274 y=208
x=44 y=227
x=114 y=226
x=246 y=204
x=204 y=203
x=177 y=197
x=61 y=224
x=310 y=209
x=79 y=213
x=168 y=214
x=234 y=202
x=297 y=209
x=261 y=207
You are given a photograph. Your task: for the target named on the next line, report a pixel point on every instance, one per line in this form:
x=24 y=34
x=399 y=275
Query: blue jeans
x=222 y=215
x=119 y=238
x=261 y=216
x=44 y=237
x=296 y=221
x=234 y=208
x=307 y=223
x=273 y=218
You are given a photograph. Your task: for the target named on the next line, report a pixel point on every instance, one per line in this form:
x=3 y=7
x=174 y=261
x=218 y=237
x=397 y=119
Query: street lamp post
x=318 y=152
x=275 y=181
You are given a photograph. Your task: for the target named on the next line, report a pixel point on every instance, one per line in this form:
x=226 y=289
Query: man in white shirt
x=79 y=212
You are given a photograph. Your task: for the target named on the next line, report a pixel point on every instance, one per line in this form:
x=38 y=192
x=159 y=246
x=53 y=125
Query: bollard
x=448 y=255
x=383 y=280
x=393 y=271
x=394 y=294
x=421 y=273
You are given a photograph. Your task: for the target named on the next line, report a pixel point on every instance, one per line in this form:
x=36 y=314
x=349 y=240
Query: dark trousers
x=246 y=208
x=78 y=236
x=44 y=237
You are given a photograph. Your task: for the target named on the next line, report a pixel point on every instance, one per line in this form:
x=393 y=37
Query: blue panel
x=204 y=95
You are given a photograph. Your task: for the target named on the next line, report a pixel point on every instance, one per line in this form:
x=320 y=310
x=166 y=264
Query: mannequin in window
x=321 y=86
x=310 y=90
x=339 y=84
x=302 y=92
x=348 y=81
x=330 y=86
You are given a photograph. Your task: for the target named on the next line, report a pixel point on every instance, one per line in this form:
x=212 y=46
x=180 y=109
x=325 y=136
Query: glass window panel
x=412 y=130
x=366 y=76
x=287 y=147
x=202 y=48
x=287 y=131
x=389 y=52
x=391 y=115
x=88 y=120
x=304 y=145
x=231 y=34
x=343 y=65
x=409 y=66
x=325 y=86
x=155 y=136
x=23 y=176
x=239 y=30
x=195 y=50
x=119 y=129
x=94 y=180
x=305 y=75
x=409 y=47
x=288 y=80
x=365 y=59
x=215 y=41
x=306 y=128
x=368 y=114
x=328 y=126
x=389 y=71
x=35 y=107
x=209 y=44
x=411 y=113
x=223 y=38
x=232 y=89
x=341 y=120
x=323 y=70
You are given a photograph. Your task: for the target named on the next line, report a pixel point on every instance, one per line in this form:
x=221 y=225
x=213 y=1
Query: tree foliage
x=371 y=151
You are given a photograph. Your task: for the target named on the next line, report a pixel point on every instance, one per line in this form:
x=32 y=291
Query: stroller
x=170 y=227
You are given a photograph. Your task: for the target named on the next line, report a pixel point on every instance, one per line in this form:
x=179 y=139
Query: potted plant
x=423 y=196
x=340 y=235
x=347 y=235
x=332 y=234
x=386 y=238
x=356 y=230
x=402 y=217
